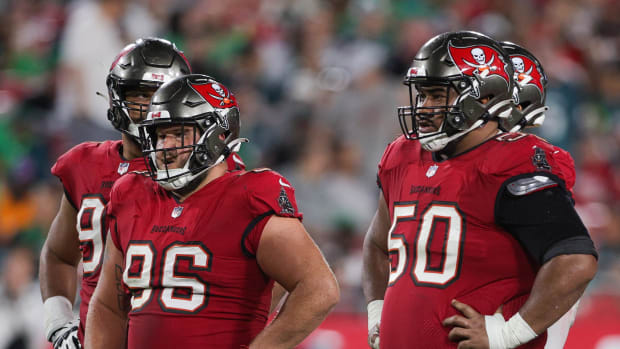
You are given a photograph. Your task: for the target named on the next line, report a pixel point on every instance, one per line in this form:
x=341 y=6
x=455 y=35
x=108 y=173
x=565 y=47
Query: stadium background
x=318 y=84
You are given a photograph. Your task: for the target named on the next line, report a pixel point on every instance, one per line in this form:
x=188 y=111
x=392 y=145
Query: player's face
x=139 y=100
x=433 y=97
x=174 y=138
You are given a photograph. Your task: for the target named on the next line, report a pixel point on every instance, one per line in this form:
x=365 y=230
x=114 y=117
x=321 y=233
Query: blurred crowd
x=318 y=83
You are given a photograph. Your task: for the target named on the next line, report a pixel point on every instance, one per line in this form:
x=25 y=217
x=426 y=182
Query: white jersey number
x=90 y=228
x=421 y=271
x=183 y=290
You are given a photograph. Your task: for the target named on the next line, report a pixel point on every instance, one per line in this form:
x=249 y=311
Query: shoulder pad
x=510 y=136
x=260 y=169
x=526 y=185
x=144 y=173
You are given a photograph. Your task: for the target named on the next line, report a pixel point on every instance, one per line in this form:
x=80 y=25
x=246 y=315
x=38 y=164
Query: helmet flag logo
x=526 y=71
x=481 y=61
x=217 y=95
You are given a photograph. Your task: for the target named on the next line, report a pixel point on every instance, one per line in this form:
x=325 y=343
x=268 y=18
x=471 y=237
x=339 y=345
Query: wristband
x=374 y=312
x=507 y=334
x=58 y=311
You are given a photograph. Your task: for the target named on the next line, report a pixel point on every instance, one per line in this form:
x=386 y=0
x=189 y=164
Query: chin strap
x=441 y=140
x=536 y=117
x=232 y=147
x=184 y=174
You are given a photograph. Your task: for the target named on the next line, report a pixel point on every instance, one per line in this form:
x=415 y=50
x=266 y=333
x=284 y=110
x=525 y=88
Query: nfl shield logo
x=176 y=212
x=431 y=171
x=122 y=168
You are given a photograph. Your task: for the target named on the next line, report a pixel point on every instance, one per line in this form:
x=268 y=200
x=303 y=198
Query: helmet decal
x=526 y=71
x=158 y=77
x=479 y=60
x=217 y=95
x=415 y=71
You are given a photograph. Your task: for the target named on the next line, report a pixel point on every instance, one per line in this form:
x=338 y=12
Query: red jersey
x=567 y=167
x=190 y=266
x=87 y=172
x=234 y=162
x=444 y=242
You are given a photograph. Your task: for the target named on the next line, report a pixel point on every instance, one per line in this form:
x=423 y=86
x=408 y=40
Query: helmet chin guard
x=436 y=141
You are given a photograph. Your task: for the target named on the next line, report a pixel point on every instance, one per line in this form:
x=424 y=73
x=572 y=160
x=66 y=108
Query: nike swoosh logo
x=283 y=184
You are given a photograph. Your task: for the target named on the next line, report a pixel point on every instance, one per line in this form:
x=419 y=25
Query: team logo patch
x=122 y=168
x=539 y=159
x=285 y=204
x=479 y=61
x=432 y=170
x=176 y=212
x=526 y=72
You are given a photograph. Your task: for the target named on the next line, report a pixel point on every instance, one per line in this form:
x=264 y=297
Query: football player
x=531 y=82
x=198 y=247
x=475 y=242
x=529 y=110
x=87 y=173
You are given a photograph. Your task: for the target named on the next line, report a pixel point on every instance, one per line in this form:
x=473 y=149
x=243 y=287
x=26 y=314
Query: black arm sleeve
x=544 y=222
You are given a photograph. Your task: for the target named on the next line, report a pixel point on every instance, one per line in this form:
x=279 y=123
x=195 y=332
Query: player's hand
x=373 y=336
x=66 y=337
x=469 y=330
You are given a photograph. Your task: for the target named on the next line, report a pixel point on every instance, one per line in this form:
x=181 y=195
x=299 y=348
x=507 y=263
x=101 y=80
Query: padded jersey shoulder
x=83 y=155
x=130 y=189
x=399 y=152
x=515 y=154
x=267 y=190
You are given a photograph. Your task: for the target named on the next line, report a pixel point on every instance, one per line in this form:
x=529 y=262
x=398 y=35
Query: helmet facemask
x=122 y=109
x=454 y=122
x=201 y=141
x=140 y=67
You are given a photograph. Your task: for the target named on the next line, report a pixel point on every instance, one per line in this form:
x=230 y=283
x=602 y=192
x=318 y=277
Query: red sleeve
x=384 y=170
x=567 y=167
x=268 y=194
x=64 y=169
x=111 y=214
x=522 y=154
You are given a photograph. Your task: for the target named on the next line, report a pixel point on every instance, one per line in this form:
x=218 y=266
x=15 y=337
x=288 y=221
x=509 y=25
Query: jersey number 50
x=423 y=273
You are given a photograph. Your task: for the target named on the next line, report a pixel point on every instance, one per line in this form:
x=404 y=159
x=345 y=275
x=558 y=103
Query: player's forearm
x=277 y=294
x=558 y=285
x=105 y=328
x=305 y=308
x=56 y=277
x=375 y=271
